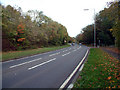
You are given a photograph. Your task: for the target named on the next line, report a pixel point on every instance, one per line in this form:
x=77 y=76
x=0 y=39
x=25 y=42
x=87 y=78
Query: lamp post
x=94 y=28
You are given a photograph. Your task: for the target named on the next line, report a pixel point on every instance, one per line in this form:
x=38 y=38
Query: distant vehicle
x=79 y=43
x=73 y=44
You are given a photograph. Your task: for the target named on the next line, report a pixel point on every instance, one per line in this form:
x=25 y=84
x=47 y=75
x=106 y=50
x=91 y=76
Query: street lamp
x=94 y=28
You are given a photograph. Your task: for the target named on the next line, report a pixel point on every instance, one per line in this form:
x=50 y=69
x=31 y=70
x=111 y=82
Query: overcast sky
x=69 y=13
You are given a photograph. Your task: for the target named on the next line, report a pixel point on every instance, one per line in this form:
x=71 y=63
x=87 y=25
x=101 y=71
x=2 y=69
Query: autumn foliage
x=20 y=32
x=30 y=30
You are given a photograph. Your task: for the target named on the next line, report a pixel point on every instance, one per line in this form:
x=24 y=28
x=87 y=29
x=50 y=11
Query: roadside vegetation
x=17 y=54
x=101 y=70
x=30 y=30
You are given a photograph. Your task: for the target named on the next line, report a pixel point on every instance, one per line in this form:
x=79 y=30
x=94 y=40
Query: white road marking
x=30 y=56
x=8 y=61
x=71 y=75
x=54 y=54
x=74 y=50
x=25 y=63
x=42 y=64
x=81 y=67
x=70 y=86
x=27 y=57
x=66 y=54
x=20 y=58
x=15 y=59
x=65 y=50
x=79 y=47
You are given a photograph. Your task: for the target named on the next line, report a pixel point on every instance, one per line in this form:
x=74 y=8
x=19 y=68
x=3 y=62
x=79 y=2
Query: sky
x=69 y=13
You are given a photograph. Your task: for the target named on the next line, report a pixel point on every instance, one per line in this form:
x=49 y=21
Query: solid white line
x=8 y=61
x=54 y=54
x=67 y=80
x=20 y=58
x=41 y=64
x=15 y=59
x=25 y=63
x=66 y=54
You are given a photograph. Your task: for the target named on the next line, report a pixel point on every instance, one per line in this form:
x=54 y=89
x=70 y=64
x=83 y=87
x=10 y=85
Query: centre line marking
x=65 y=50
x=42 y=64
x=74 y=50
x=79 y=47
x=25 y=63
x=66 y=54
x=54 y=54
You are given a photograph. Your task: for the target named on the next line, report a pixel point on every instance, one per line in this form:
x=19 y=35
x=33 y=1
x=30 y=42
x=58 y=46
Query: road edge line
x=71 y=75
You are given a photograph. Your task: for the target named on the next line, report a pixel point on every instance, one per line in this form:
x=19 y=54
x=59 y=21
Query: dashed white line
x=74 y=50
x=65 y=50
x=25 y=63
x=66 y=54
x=42 y=64
x=54 y=54
x=79 y=47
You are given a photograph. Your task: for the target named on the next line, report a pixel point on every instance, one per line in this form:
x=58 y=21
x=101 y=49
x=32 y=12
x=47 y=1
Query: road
x=47 y=70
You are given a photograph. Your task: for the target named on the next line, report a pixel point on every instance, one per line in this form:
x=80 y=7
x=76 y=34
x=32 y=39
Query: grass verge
x=17 y=54
x=100 y=71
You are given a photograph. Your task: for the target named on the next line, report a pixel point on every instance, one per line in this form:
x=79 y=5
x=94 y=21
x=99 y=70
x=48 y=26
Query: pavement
x=48 y=70
x=115 y=55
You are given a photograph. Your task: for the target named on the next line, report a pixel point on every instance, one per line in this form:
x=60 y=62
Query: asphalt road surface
x=47 y=70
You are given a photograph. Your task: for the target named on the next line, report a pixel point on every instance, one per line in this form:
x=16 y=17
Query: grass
x=100 y=71
x=17 y=54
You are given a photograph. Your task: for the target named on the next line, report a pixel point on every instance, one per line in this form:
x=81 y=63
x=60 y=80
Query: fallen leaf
x=109 y=77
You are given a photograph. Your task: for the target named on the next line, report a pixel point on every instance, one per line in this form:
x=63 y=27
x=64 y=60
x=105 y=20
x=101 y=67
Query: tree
x=107 y=27
x=31 y=30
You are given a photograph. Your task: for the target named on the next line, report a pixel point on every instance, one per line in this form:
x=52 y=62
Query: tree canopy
x=107 y=24
x=30 y=30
